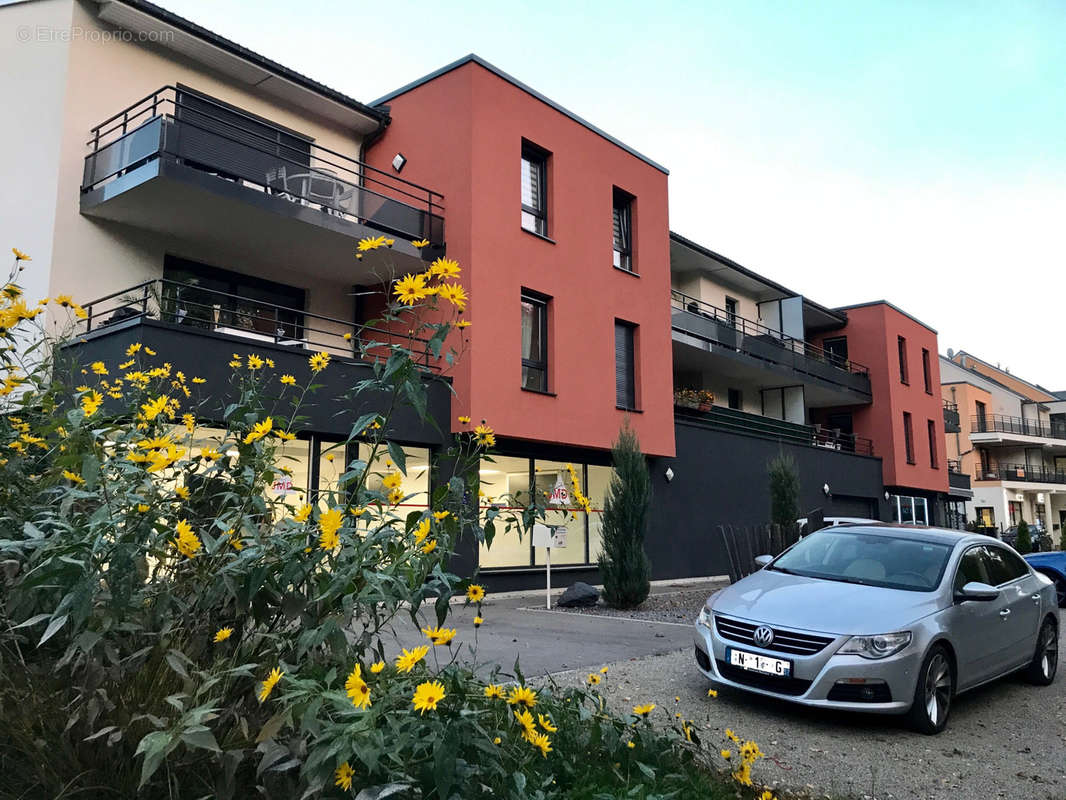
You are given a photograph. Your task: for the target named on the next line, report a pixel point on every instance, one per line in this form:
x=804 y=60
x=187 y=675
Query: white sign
x=549 y=536
x=283 y=486
x=560 y=495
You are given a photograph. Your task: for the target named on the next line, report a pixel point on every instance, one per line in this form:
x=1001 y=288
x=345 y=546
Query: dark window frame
x=538 y=160
x=739 y=395
x=622 y=230
x=927 y=371
x=540 y=303
x=625 y=384
x=930 y=427
x=904 y=373
x=732 y=309
x=908 y=437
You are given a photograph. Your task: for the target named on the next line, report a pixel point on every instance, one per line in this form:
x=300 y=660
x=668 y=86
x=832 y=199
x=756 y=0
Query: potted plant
x=704 y=399
x=686 y=398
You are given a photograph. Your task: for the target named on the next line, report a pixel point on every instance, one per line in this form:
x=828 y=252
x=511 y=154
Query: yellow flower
x=98 y=367
x=593 y=679
x=343 y=776
x=199 y=380
x=132 y=349
x=259 y=430
x=151 y=352
x=454 y=294
x=235 y=363
x=190 y=422
x=478 y=622
x=630 y=745
x=732 y=736
x=439 y=636
x=444 y=267
x=330 y=521
x=318 y=362
x=497 y=740
x=429 y=546
x=542 y=743
x=485 y=436
x=421 y=531
x=546 y=723
x=522 y=695
x=254 y=361
x=463 y=323
x=182 y=492
x=358 y=691
x=371 y=243
x=644 y=710
x=393 y=480
x=766 y=795
x=441 y=515
x=410 y=289
x=269 y=684
x=405 y=662
x=427 y=695
x=285 y=436
x=494 y=692
x=420 y=243
x=142 y=507
x=153 y=408
x=726 y=754
x=743 y=774
x=395 y=496
x=377 y=667
x=464 y=420
x=347 y=337
x=712 y=693
x=223 y=634
x=210 y=454
x=529 y=727
x=19 y=255
x=187 y=542
x=603 y=671
x=90 y=402
x=288 y=380
x=475 y=593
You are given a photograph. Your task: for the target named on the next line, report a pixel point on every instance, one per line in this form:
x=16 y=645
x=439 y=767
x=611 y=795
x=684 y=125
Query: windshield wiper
x=785 y=570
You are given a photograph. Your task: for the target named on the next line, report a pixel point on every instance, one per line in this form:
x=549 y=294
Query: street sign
x=550 y=537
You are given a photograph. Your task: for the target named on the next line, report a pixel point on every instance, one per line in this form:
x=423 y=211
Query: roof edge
x=476 y=59
x=895 y=308
x=1030 y=384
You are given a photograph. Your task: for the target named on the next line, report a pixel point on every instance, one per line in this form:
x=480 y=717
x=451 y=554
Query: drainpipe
x=373 y=136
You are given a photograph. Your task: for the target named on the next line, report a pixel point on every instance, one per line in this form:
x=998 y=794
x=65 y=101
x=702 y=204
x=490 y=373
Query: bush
x=784 y=490
x=1024 y=543
x=167 y=629
x=624 y=566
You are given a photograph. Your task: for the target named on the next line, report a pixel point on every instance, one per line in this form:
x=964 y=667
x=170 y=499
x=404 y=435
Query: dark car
x=1039 y=537
x=1054 y=566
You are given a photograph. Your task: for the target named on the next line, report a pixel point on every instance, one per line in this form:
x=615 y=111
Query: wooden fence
x=744 y=542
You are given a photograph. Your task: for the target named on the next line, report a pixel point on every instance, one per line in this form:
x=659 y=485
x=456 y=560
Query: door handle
x=1005 y=613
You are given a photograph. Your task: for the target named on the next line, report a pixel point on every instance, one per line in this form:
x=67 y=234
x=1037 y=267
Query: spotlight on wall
x=825 y=489
x=398 y=161
x=887 y=495
x=669 y=474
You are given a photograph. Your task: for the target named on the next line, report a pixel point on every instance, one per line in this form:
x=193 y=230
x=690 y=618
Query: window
x=731 y=311
x=982 y=422
x=986 y=516
x=1003 y=566
x=927 y=375
x=908 y=437
x=534 y=189
x=931 y=427
x=622 y=220
x=736 y=399
x=534 y=341
x=1040 y=516
x=901 y=343
x=1015 y=509
x=836 y=350
x=625 y=377
x=971 y=568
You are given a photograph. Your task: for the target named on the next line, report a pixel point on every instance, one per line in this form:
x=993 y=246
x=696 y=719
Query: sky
x=854 y=151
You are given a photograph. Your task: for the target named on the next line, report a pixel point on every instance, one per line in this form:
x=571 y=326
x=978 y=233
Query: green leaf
x=154 y=746
x=398 y=456
x=200 y=738
x=32 y=531
x=361 y=423
x=649 y=773
x=32 y=621
x=273 y=726
x=174 y=661
x=52 y=629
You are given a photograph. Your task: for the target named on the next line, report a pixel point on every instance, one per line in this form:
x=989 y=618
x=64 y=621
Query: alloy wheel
x=937 y=688
x=1049 y=658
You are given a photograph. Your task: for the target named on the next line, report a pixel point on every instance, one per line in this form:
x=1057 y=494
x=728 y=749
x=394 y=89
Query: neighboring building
x=1011 y=439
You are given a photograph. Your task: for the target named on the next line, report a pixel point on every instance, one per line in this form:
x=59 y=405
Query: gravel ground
x=1005 y=741
x=679 y=606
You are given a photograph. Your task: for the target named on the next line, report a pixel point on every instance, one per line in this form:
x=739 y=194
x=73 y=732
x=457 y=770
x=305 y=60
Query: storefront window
x=909 y=510
x=599 y=478
x=504 y=481
x=548 y=475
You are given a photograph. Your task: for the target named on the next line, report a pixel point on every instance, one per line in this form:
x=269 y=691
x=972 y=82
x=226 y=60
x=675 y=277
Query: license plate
x=753 y=662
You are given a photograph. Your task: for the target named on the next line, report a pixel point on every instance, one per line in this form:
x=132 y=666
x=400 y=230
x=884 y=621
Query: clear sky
x=854 y=151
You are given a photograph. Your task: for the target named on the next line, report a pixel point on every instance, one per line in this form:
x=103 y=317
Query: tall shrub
x=784 y=490
x=624 y=566
x=1024 y=543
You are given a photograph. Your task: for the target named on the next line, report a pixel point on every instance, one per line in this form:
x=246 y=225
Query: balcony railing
x=1018 y=472
x=733 y=421
x=193 y=307
x=760 y=341
x=997 y=423
x=955 y=466
x=952 y=423
x=215 y=138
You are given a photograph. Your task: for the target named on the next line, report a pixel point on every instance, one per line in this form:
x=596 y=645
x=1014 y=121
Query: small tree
x=784 y=490
x=624 y=565
x=1024 y=543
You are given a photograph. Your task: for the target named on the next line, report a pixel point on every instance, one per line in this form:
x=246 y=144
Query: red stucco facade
x=462 y=133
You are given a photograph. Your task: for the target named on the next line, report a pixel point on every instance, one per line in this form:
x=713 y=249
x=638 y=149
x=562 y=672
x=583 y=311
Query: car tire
x=1041 y=670
x=933 y=693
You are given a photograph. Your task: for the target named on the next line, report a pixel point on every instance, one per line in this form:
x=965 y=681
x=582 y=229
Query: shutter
x=624 y=379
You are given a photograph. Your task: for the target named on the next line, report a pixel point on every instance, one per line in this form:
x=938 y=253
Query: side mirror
x=762 y=561
x=975 y=590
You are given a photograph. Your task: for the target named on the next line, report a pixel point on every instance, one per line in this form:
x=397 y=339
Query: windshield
x=853 y=556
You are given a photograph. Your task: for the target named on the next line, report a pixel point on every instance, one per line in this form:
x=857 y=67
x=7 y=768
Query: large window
x=622 y=218
x=625 y=371
x=534 y=341
x=534 y=189
x=506 y=483
x=908 y=437
x=836 y=350
x=901 y=345
x=934 y=462
x=1015 y=509
x=909 y=510
x=927 y=372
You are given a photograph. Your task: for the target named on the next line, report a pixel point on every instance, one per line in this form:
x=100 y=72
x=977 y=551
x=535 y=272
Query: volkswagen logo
x=763 y=636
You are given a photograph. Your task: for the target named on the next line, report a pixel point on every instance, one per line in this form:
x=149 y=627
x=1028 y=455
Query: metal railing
x=954 y=465
x=733 y=421
x=952 y=422
x=996 y=471
x=219 y=139
x=998 y=423
x=739 y=327
x=193 y=307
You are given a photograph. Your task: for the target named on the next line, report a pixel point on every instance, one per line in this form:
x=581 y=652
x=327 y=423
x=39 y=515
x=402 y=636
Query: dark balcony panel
x=733 y=421
x=958 y=480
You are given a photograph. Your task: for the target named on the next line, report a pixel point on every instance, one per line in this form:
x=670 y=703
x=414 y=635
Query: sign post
x=549 y=537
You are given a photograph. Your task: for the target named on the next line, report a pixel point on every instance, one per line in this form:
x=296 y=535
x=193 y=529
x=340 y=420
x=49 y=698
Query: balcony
x=958 y=481
x=182 y=164
x=733 y=421
x=708 y=338
x=952 y=423
x=1018 y=473
x=1016 y=426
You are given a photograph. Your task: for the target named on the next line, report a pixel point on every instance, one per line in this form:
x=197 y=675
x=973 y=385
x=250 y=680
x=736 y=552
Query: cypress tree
x=624 y=566
x=784 y=490
x=1024 y=543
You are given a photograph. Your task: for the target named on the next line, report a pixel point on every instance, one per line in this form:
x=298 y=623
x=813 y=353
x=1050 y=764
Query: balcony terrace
x=1018 y=473
x=740 y=422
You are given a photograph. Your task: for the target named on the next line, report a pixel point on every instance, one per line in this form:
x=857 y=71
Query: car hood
x=832 y=607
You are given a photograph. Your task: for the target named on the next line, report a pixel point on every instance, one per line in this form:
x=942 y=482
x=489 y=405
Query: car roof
x=921 y=533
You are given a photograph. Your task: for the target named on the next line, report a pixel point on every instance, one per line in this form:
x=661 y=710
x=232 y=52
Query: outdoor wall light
x=825 y=489
x=669 y=474
x=887 y=495
x=398 y=161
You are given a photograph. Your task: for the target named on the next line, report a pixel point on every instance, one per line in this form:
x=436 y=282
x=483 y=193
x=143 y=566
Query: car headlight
x=880 y=646
x=704 y=618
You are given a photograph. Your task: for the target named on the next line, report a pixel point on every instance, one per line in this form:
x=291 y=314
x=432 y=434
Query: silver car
x=882 y=618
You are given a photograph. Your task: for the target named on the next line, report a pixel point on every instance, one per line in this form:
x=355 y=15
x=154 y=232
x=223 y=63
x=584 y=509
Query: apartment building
x=206 y=201
x=1011 y=437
